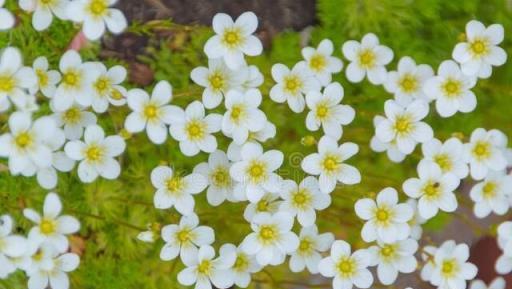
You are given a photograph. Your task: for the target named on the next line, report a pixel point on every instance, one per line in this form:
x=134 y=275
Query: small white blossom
x=13 y=246
x=74 y=120
x=449 y=156
x=244 y=265
x=269 y=203
x=492 y=194
x=505 y=237
x=329 y=164
x=393 y=258
x=311 y=244
x=367 y=58
x=261 y=136
x=485 y=152
x=16 y=79
x=51 y=270
x=47 y=79
x=44 y=11
x=107 y=89
x=320 y=61
x=390 y=148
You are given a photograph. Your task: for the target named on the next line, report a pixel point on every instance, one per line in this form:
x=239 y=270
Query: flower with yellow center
x=320 y=61
x=7 y=83
x=490 y=195
x=24 y=140
x=366 y=58
x=407 y=82
x=449 y=156
x=97 y=8
x=75 y=82
x=232 y=38
x=311 y=245
x=391 y=259
x=485 y=152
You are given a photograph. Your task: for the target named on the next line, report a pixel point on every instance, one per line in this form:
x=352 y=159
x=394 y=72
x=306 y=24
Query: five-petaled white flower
x=242 y=115
x=44 y=10
x=449 y=156
x=47 y=79
x=403 y=124
x=217 y=80
x=96 y=154
x=13 y=246
x=433 y=189
x=271 y=239
x=386 y=219
x=320 y=61
x=184 y=239
x=269 y=203
x=311 y=244
x=255 y=172
x=7 y=20
x=346 y=267
x=451 y=90
x=194 y=130
x=233 y=39
x=303 y=200
x=481 y=51
x=95 y=16
x=220 y=183
x=243 y=267
x=492 y=194
x=329 y=164
x=408 y=81
x=485 y=152
x=393 y=258
x=391 y=148
x=152 y=113
x=292 y=85
x=106 y=87
x=74 y=120
x=326 y=111
x=51 y=228
x=367 y=58
x=176 y=190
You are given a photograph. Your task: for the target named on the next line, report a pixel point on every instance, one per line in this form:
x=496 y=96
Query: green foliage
x=112 y=213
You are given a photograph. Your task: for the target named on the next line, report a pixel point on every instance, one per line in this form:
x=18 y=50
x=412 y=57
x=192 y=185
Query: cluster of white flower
x=44 y=254
x=245 y=172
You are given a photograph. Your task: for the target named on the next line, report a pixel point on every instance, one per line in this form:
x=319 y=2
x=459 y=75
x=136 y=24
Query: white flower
x=408 y=81
x=390 y=148
x=194 y=131
x=326 y=111
x=217 y=80
x=416 y=221
x=95 y=15
x=175 y=190
x=346 y=267
x=403 y=124
x=292 y=85
x=184 y=238
x=320 y=61
x=497 y=283
x=481 y=51
x=74 y=120
x=449 y=156
x=7 y=20
x=43 y=11
x=367 y=58
x=242 y=115
x=220 y=183
x=47 y=79
x=233 y=39
x=303 y=200
x=485 y=151
x=433 y=189
x=76 y=84
x=244 y=265
x=51 y=271
x=393 y=258
x=269 y=203
x=492 y=194
x=386 y=219
x=255 y=172
x=106 y=87
x=203 y=270
x=451 y=89
x=51 y=228
x=271 y=238
x=505 y=237
x=151 y=235
x=15 y=78
x=504 y=264
x=96 y=154
x=13 y=246
x=311 y=244
x=329 y=164
x=152 y=113
x=25 y=145
x=451 y=269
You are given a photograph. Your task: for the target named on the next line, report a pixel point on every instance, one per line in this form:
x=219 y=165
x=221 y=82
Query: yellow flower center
x=479 y=47
x=151 y=112
x=449 y=268
x=174 y=184
x=98 y=8
x=346 y=267
x=102 y=86
x=268 y=234
x=71 y=78
x=331 y=163
x=482 y=150
x=292 y=84
x=183 y=236
x=432 y=190
x=116 y=94
x=489 y=190
x=241 y=263
x=444 y=162
x=256 y=171
x=301 y=198
x=306 y=246
x=452 y=88
x=317 y=62
x=38 y=256
x=217 y=81
x=408 y=83
x=262 y=206
x=72 y=115
x=220 y=177
x=383 y=215
x=388 y=251
x=367 y=58
x=42 y=77
x=322 y=111
x=94 y=153
x=23 y=140
x=232 y=37
x=204 y=267
x=46 y=2
x=195 y=130
x=47 y=227
x=403 y=124
x=7 y=83
x=237 y=113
